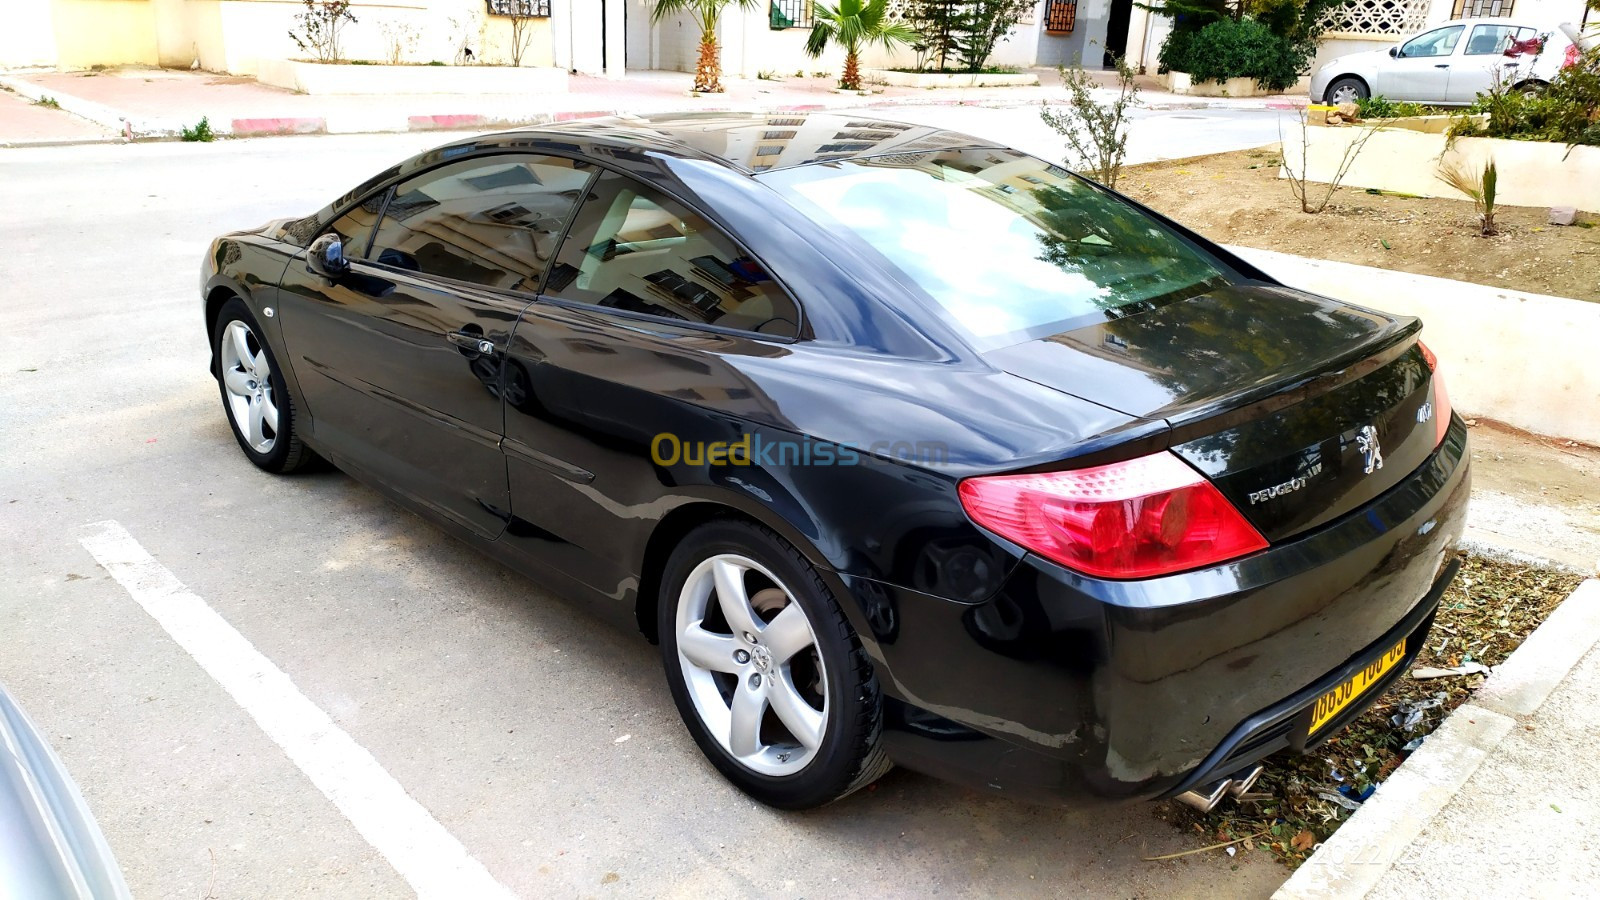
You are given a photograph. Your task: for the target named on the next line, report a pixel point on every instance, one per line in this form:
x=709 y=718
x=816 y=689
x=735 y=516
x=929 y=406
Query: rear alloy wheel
x=253 y=393
x=1345 y=90
x=767 y=674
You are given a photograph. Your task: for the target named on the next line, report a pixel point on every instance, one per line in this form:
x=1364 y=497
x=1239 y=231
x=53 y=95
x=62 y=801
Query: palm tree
x=855 y=24
x=708 y=75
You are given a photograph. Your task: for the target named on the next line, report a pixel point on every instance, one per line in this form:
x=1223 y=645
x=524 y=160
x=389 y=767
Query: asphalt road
x=543 y=744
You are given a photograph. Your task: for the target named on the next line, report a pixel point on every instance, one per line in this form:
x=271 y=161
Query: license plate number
x=1329 y=704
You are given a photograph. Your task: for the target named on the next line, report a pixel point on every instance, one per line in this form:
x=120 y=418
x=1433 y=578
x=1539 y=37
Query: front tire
x=767 y=674
x=254 y=396
x=1346 y=90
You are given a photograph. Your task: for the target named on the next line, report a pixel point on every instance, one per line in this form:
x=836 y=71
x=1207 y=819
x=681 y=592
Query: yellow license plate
x=1329 y=704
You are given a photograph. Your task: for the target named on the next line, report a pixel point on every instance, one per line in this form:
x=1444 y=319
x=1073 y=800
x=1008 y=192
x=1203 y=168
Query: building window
x=789 y=14
x=862 y=135
x=524 y=8
x=1060 y=16
x=848 y=147
x=777 y=135
x=785 y=123
x=1481 y=9
x=1376 y=17
x=770 y=150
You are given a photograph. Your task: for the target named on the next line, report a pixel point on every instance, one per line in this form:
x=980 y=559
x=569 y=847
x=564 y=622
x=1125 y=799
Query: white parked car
x=1448 y=65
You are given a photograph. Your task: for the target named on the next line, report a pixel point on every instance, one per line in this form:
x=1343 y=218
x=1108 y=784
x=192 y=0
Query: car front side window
x=1438 y=42
x=355 y=227
x=493 y=221
x=633 y=248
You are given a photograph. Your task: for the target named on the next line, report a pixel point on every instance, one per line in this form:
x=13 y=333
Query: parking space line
x=396 y=825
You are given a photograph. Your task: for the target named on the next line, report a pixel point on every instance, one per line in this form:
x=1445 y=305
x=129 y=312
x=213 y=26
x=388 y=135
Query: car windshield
x=1009 y=247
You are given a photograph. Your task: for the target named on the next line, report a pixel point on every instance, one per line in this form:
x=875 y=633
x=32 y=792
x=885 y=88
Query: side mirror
x=1394 y=52
x=326 y=257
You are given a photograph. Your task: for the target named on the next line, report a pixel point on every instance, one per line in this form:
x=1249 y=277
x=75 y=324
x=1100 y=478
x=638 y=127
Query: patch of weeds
x=1487 y=612
x=47 y=101
x=435 y=62
x=200 y=132
x=768 y=75
x=362 y=62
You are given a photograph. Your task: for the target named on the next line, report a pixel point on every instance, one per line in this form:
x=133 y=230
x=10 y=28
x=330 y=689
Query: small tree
x=936 y=23
x=854 y=24
x=1096 y=133
x=521 y=13
x=1481 y=188
x=706 y=13
x=317 y=29
x=1313 y=200
x=982 y=24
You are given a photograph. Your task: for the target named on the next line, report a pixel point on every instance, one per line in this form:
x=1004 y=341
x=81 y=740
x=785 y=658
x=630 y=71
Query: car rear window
x=1009 y=247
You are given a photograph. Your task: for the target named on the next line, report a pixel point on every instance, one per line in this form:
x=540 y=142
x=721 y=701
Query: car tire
x=1531 y=89
x=1354 y=88
x=736 y=672
x=255 y=399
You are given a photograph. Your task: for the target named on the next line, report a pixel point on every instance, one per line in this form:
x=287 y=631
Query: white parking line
x=419 y=848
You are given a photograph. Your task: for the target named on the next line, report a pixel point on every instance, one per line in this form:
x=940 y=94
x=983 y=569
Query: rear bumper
x=1063 y=688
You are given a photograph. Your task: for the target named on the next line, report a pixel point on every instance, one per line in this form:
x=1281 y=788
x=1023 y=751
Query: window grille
x=1060 y=16
x=1482 y=9
x=526 y=8
x=789 y=14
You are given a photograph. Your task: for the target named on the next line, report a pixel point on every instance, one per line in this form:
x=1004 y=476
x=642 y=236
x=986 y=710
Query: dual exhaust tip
x=1206 y=797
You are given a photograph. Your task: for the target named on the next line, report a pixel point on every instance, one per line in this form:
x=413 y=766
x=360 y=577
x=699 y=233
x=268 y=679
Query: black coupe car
x=904 y=446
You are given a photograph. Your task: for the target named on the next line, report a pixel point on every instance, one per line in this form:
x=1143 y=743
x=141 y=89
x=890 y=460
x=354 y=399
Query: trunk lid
x=1299 y=408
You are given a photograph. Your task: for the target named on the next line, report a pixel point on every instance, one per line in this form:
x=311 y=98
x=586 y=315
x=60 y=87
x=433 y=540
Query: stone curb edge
x=1375 y=839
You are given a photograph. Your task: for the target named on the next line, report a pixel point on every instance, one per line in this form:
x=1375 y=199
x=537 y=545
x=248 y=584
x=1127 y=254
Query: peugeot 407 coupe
x=905 y=447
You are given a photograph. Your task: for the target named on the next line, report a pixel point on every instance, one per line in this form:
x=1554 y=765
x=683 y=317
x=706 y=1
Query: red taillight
x=1148 y=516
x=1441 y=398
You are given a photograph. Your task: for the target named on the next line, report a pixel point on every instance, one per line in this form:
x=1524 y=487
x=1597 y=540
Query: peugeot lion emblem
x=1371 y=453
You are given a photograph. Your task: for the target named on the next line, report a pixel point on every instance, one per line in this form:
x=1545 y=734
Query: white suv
x=1448 y=65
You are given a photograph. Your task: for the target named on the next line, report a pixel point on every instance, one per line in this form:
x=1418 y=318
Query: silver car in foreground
x=50 y=846
x=1446 y=66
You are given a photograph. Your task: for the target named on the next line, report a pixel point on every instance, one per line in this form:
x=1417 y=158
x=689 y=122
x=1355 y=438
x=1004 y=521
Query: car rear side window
x=633 y=248
x=494 y=221
x=1009 y=247
x=1490 y=40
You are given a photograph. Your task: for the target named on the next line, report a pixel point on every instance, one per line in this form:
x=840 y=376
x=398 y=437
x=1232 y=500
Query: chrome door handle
x=471 y=341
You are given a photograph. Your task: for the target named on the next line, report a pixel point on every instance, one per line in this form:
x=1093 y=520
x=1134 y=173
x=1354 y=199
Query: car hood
x=1222 y=349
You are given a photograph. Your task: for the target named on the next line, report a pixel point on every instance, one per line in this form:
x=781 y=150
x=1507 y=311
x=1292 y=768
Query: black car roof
x=756 y=142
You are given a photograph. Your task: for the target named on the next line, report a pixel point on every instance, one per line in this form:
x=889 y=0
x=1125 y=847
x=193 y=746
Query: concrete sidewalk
x=157 y=103
x=26 y=123
x=1501 y=800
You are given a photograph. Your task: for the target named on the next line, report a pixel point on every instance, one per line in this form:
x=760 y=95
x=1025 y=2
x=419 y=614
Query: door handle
x=475 y=342
x=1441 y=65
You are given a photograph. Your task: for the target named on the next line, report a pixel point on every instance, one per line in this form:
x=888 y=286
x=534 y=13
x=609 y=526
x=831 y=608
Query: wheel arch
x=685 y=518
x=217 y=295
x=1352 y=76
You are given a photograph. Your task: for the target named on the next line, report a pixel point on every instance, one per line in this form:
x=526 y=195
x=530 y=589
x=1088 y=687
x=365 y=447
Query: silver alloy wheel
x=1344 y=93
x=247 y=377
x=743 y=680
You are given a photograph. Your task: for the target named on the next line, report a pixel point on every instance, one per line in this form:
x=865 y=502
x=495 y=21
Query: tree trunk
x=852 y=72
x=708 y=75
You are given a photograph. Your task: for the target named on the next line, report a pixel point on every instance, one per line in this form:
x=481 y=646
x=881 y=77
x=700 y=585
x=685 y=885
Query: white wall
x=28 y=37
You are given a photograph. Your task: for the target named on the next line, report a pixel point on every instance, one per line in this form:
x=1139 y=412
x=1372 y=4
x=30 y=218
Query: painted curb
x=278 y=126
x=1353 y=861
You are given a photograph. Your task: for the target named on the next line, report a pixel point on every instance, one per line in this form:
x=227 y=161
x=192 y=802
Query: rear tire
x=1345 y=90
x=255 y=398
x=767 y=674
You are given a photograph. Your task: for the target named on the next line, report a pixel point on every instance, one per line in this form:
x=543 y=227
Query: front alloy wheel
x=766 y=672
x=260 y=410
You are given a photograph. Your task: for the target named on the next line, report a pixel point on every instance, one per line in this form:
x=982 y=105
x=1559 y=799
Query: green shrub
x=1243 y=48
x=1568 y=111
x=1380 y=107
x=200 y=132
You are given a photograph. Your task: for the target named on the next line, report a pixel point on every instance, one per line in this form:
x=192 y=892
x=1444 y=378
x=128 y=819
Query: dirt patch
x=1300 y=800
x=1237 y=198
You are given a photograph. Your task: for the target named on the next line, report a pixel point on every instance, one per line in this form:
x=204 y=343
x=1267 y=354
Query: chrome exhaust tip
x=1243 y=783
x=1206 y=797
